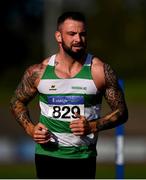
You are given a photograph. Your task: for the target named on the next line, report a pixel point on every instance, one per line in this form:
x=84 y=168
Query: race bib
x=65 y=107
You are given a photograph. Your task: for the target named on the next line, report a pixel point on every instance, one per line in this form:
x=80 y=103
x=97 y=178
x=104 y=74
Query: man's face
x=73 y=38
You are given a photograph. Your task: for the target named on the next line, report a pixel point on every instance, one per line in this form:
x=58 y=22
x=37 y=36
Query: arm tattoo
x=20 y=111
x=115 y=98
x=25 y=91
x=113 y=92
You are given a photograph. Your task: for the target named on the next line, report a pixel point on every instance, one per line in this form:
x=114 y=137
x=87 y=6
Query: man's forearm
x=21 y=114
x=24 y=120
x=107 y=122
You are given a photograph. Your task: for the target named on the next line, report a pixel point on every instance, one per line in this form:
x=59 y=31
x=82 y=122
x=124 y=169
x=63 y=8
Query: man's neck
x=69 y=60
x=65 y=65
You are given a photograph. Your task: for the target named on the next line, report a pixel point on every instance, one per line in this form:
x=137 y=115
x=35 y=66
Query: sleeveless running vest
x=59 y=100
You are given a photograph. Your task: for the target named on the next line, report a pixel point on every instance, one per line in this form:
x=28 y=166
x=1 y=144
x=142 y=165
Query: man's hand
x=41 y=134
x=80 y=126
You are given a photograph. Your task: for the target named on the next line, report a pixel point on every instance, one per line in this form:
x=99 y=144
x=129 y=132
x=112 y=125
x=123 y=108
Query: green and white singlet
x=59 y=100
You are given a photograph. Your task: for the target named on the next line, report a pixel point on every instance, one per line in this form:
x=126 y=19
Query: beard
x=75 y=55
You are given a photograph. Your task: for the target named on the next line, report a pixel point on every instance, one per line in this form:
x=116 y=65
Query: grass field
x=104 y=171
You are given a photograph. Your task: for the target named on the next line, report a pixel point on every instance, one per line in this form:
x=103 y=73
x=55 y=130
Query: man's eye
x=71 y=34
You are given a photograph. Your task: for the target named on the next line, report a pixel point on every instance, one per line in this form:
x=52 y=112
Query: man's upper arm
x=26 y=89
x=113 y=92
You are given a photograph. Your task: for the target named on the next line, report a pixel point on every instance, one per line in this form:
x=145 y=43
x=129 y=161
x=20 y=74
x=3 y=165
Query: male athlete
x=71 y=85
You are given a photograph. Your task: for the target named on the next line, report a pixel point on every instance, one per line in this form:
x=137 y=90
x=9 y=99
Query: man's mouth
x=78 y=46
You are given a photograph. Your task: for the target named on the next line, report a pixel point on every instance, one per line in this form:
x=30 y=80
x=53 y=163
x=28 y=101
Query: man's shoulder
x=38 y=66
x=36 y=70
x=97 y=69
x=97 y=62
x=46 y=61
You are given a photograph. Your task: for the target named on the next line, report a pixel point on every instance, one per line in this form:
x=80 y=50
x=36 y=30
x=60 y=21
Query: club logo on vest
x=53 y=88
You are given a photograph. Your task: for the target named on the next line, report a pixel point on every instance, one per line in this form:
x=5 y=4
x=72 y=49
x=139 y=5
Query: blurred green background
x=116 y=34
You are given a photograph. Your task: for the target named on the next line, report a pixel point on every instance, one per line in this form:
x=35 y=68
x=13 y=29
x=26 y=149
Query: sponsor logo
x=64 y=100
x=79 y=87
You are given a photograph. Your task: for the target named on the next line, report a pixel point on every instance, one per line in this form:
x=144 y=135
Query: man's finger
x=77 y=115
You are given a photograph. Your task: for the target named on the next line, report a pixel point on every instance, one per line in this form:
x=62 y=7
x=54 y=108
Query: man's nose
x=77 y=38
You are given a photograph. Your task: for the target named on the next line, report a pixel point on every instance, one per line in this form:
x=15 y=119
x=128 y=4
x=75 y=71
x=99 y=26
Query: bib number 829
x=65 y=111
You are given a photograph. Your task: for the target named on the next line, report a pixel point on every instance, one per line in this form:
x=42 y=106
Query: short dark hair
x=78 y=16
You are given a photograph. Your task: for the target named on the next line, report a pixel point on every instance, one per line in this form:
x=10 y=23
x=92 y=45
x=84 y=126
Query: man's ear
x=58 y=36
